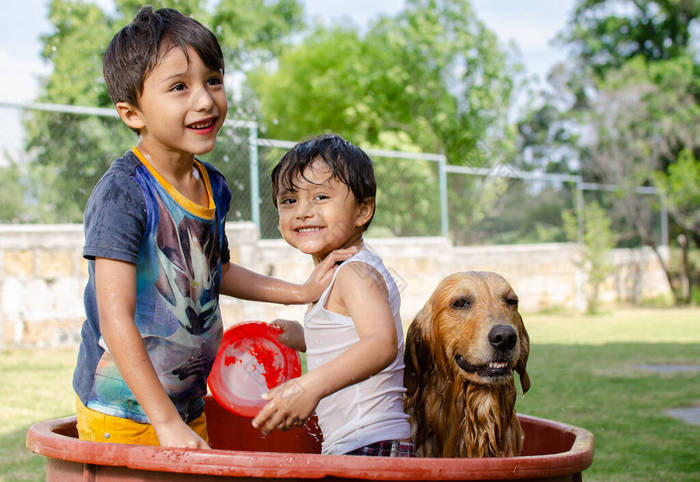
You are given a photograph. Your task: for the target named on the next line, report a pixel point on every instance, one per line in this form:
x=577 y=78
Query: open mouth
x=204 y=125
x=494 y=368
x=308 y=229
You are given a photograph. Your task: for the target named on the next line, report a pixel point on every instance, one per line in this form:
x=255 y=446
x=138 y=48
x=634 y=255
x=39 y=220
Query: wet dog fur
x=461 y=351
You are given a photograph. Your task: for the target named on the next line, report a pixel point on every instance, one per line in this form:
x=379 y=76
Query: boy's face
x=181 y=108
x=321 y=214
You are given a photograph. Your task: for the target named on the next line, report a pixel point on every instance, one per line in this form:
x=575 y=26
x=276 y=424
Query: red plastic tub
x=553 y=451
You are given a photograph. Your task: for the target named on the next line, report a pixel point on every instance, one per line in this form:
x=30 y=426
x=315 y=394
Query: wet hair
x=348 y=163
x=137 y=48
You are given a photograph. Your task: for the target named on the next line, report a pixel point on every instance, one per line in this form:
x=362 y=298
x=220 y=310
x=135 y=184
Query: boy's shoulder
x=363 y=268
x=366 y=256
x=118 y=182
x=124 y=166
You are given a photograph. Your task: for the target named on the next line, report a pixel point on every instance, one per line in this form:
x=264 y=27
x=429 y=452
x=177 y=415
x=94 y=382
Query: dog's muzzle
x=494 y=368
x=503 y=339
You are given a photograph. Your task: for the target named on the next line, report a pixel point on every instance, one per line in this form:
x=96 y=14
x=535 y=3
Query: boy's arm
x=115 y=283
x=243 y=283
x=363 y=293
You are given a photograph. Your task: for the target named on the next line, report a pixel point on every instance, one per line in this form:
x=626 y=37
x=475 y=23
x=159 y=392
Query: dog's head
x=470 y=328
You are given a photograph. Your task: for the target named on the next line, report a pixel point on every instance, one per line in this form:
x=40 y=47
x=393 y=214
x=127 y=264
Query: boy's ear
x=130 y=115
x=365 y=211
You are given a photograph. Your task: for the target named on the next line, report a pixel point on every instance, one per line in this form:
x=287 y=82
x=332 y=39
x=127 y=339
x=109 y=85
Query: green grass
x=36 y=386
x=584 y=372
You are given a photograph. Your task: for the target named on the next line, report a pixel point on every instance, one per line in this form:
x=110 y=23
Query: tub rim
x=43 y=439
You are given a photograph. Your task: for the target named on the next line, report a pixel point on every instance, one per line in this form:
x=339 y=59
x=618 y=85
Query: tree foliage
x=73 y=151
x=598 y=240
x=431 y=78
x=606 y=34
x=625 y=108
x=433 y=73
x=12 y=194
x=681 y=186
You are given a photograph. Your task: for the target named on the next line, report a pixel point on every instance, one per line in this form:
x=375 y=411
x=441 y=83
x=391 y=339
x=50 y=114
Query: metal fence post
x=444 y=219
x=580 y=206
x=664 y=220
x=254 y=175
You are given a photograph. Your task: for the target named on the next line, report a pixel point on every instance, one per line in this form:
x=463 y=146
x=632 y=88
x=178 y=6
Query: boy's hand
x=323 y=273
x=290 y=405
x=179 y=434
x=291 y=334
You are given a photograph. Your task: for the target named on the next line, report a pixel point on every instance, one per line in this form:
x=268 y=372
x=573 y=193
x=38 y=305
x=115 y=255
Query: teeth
x=307 y=230
x=498 y=365
x=202 y=125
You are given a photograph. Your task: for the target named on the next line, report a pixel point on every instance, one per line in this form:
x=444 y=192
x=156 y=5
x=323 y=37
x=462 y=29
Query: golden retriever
x=461 y=350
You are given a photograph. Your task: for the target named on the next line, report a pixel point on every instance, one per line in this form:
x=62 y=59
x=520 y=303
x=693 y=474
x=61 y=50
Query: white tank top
x=368 y=411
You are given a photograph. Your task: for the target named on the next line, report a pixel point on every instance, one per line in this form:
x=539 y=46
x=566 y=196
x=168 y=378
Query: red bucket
x=250 y=362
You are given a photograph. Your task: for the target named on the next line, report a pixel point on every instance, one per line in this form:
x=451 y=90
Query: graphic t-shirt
x=178 y=247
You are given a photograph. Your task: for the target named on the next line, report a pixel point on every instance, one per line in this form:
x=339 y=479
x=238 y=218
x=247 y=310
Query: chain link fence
x=495 y=209
x=67 y=149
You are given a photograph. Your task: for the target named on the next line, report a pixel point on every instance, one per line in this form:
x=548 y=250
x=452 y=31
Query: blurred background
x=490 y=122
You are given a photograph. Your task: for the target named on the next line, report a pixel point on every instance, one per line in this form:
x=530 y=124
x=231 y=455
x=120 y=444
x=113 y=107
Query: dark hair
x=348 y=163
x=137 y=48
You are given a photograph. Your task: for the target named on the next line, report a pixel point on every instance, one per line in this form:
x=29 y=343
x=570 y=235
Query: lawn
x=585 y=371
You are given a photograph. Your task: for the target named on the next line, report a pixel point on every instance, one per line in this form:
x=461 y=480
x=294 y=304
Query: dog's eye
x=512 y=301
x=461 y=303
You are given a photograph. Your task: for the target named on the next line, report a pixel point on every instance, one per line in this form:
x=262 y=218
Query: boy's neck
x=359 y=242
x=180 y=173
x=172 y=167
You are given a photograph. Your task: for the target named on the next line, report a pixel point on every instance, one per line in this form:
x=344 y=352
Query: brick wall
x=42 y=276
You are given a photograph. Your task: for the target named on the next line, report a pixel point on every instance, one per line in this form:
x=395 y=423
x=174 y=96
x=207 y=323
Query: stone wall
x=42 y=276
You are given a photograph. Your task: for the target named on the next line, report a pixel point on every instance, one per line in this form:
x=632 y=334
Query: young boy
x=156 y=245
x=324 y=190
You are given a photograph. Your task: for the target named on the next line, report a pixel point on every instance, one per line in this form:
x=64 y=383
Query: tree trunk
x=649 y=241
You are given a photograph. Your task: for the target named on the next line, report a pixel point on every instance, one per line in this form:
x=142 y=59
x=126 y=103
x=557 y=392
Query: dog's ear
x=522 y=360
x=417 y=356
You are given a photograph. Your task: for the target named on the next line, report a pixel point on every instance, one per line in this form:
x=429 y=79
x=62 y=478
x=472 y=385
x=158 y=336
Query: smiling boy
x=324 y=190
x=156 y=244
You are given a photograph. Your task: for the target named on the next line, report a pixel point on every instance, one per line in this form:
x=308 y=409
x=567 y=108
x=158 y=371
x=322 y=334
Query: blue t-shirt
x=178 y=247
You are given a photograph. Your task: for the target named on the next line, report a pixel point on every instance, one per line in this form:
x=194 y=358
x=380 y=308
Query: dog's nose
x=503 y=337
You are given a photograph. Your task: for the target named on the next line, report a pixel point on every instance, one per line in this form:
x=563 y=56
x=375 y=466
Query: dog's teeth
x=498 y=365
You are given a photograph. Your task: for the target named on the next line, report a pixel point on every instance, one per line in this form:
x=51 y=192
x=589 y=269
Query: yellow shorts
x=98 y=427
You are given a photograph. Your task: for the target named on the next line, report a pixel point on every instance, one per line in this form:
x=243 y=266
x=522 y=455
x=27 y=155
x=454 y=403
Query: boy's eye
x=215 y=81
x=287 y=201
x=321 y=197
x=178 y=87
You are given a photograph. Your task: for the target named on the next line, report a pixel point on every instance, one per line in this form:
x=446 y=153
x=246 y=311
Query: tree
x=12 y=193
x=643 y=119
x=606 y=34
x=433 y=72
x=431 y=78
x=598 y=240
x=74 y=151
x=254 y=31
x=626 y=107
x=681 y=187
